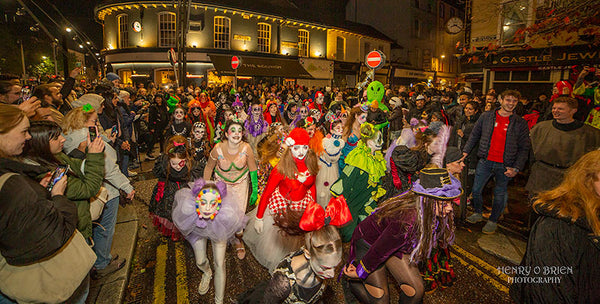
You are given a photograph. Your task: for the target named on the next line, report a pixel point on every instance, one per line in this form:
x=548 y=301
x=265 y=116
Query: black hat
x=437 y=183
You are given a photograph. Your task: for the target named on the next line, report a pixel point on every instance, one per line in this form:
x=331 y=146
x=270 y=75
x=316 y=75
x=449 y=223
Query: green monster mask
x=375 y=91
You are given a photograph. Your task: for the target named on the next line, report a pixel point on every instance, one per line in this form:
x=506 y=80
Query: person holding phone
x=36 y=224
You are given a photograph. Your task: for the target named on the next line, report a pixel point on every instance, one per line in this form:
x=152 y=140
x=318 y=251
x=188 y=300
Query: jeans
x=103 y=233
x=125 y=163
x=485 y=170
x=6 y=300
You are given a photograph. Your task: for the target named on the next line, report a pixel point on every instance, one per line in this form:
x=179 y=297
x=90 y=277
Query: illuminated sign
x=242 y=37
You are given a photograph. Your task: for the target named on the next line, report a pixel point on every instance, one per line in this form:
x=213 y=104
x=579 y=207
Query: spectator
x=504 y=144
x=158 y=119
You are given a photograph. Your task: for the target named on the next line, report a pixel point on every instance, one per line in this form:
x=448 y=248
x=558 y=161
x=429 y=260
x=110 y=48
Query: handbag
x=52 y=279
x=97 y=203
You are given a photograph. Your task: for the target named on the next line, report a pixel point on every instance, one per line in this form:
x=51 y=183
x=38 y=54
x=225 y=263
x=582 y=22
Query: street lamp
x=443 y=56
x=44 y=57
x=68 y=29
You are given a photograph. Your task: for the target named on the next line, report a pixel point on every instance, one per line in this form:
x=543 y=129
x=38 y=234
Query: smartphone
x=60 y=171
x=93 y=133
x=114 y=130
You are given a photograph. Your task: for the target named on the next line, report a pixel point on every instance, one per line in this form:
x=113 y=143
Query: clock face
x=454 y=25
x=137 y=26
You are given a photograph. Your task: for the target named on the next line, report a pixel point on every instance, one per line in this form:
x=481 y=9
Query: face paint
x=338 y=129
x=234 y=134
x=376 y=142
x=256 y=112
x=299 y=151
x=303 y=112
x=375 y=91
x=208 y=203
x=311 y=130
x=324 y=265
x=177 y=163
x=179 y=114
x=362 y=118
x=196 y=112
x=199 y=133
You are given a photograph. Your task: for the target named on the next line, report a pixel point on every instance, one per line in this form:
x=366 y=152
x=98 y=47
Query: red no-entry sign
x=375 y=59
x=235 y=62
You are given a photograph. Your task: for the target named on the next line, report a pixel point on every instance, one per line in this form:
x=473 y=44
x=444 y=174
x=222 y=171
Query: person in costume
x=270 y=150
x=356 y=117
x=291 y=186
x=205 y=211
x=232 y=161
x=328 y=162
x=318 y=103
x=272 y=114
x=587 y=89
x=172 y=101
x=195 y=115
x=301 y=114
x=299 y=277
x=256 y=126
x=178 y=125
x=360 y=180
x=173 y=173
x=208 y=107
x=290 y=112
x=398 y=235
x=315 y=134
x=238 y=107
x=199 y=148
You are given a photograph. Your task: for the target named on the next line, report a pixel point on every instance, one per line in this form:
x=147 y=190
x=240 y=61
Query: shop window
x=264 y=38
x=502 y=76
x=514 y=17
x=123 y=23
x=340 y=49
x=540 y=76
x=125 y=76
x=520 y=76
x=303 y=40
x=222 y=35
x=167 y=29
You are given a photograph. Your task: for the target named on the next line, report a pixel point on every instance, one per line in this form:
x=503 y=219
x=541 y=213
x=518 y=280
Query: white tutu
x=272 y=245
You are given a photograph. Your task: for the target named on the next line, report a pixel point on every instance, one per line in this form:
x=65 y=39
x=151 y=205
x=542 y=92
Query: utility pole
x=183 y=16
x=20 y=42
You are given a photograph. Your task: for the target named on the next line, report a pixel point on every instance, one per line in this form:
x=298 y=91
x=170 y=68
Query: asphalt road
x=164 y=271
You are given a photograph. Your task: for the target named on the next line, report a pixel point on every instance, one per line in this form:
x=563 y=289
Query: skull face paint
x=256 y=111
x=199 y=133
x=375 y=143
x=179 y=114
x=234 y=134
x=299 y=151
x=303 y=112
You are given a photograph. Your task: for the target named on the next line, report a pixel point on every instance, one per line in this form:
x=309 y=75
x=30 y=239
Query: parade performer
x=299 y=277
x=291 y=186
x=290 y=112
x=178 y=125
x=203 y=212
x=315 y=134
x=195 y=114
x=318 y=103
x=172 y=101
x=272 y=114
x=232 y=161
x=199 y=148
x=328 y=162
x=399 y=234
x=360 y=180
x=172 y=171
x=588 y=89
x=238 y=107
x=256 y=126
x=270 y=150
x=208 y=107
x=356 y=117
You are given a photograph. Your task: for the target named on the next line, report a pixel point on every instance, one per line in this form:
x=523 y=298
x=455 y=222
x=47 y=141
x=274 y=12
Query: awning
x=256 y=66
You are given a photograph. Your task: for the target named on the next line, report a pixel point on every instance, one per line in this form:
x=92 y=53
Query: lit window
x=167 y=29
x=264 y=38
x=303 y=39
x=123 y=21
x=221 y=37
x=514 y=17
x=340 y=49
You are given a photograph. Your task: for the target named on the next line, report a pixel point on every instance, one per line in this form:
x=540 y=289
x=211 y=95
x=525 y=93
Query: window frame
x=224 y=44
x=337 y=48
x=162 y=40
x=263 y=47
x=123 y=31
x=303 y=51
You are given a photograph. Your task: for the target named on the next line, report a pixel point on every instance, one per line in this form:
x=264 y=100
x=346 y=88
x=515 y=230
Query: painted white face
x=303 y=112
x=199 y=133
x=196 y=112
x=234 y=134
x=362 y=118
x=324 y=265
x=179 y=114
x=376 y=142
x=299 y=151
x=256 y=111
x=338 y=129
x=177 y=163
x=320 y=99
x=208 y=203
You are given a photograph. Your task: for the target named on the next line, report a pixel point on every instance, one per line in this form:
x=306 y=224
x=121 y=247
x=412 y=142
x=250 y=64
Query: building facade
x=499 y=56
x=138 y=36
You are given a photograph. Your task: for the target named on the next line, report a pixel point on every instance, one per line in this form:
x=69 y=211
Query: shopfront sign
x=242 y=38
x=406 y=73
x=289 y=44
x=545 y=57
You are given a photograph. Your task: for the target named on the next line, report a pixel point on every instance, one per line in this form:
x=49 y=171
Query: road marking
x=503 y=277
x=484 y=276
x=160 y=274
x=182 y=279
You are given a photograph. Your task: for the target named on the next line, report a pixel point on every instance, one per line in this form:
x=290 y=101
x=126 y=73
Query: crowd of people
x=290 y=173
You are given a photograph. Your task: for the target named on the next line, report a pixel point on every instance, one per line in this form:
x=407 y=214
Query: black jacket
x=33 y=225
x=516 y=148
x=556 y=241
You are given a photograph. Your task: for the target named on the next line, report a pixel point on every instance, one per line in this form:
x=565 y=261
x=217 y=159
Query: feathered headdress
x=439 y=145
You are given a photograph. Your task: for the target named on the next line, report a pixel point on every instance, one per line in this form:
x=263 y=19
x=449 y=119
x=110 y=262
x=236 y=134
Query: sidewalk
x=111 y=289
x=503 y=245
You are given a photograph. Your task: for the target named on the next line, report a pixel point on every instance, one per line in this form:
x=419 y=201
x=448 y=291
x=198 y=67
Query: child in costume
x=232 y=161
x=272 y=114
x=238 y=107
x=328 y=162
x=199 y=148
x=195 y=115
x=299 y=277
x=206 y=211
x=270 y=150
x=356 y=117
x=399 y=234
x=256 y=126
x=360 y=181
x=172 y=171
x=291 y=186
x=178 y=125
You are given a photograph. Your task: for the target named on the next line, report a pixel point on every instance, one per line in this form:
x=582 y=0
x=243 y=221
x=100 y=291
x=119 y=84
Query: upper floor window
x=303 y=39
x=514 y=17
x=167 y=29
x=416 y=28
x=222 y=33
x=442 y=11
x=340 y=50
x=264 y=37
x=417 y=3
x=123 y=22
x=367 y=48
